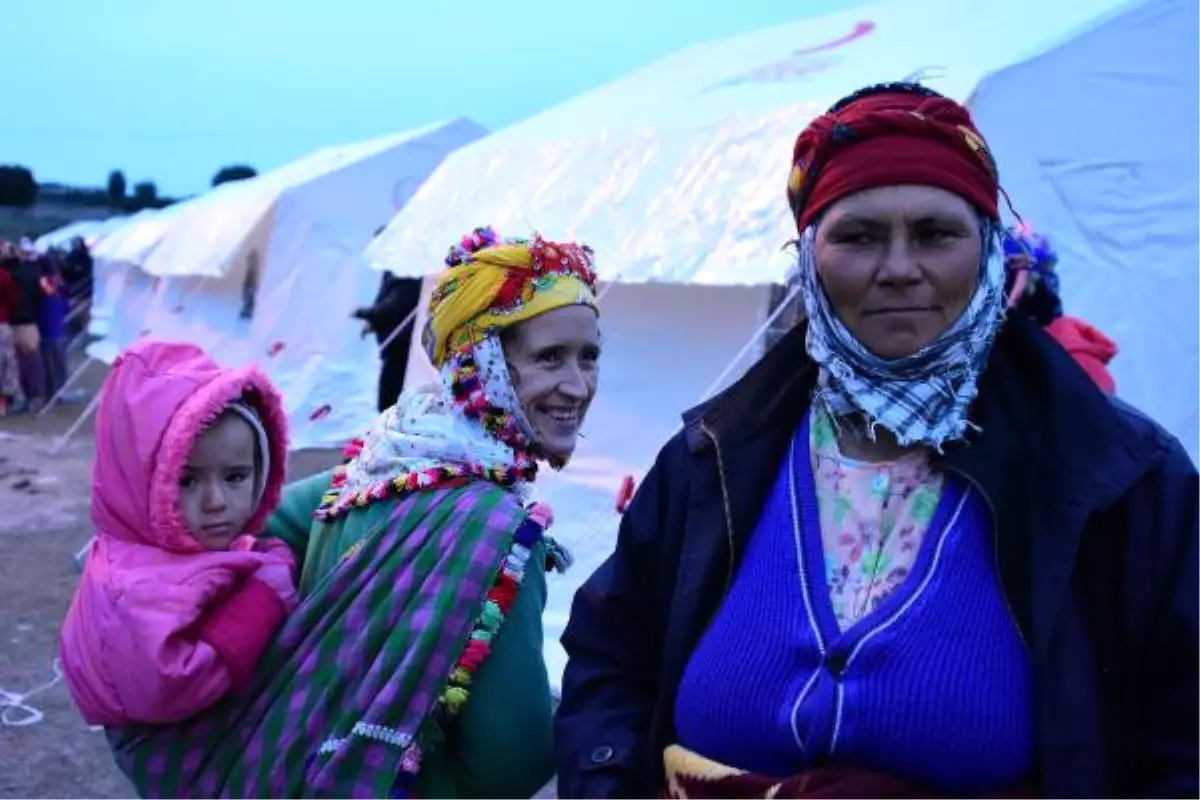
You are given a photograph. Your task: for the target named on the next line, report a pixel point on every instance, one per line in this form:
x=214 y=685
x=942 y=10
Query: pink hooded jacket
x=161 y=628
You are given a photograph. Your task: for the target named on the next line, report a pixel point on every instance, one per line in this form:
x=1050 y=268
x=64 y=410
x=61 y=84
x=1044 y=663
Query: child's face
x=216 y=491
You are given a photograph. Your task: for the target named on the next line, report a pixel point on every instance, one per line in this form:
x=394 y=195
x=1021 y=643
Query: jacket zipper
x=725 y=499
x=995 y=549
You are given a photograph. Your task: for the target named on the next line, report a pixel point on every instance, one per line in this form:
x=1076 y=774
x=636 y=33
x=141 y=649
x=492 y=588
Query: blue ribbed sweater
x=933 y=686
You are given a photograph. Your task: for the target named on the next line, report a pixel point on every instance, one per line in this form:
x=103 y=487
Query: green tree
x=18 y=187
x=116 y=185
x=145 y=192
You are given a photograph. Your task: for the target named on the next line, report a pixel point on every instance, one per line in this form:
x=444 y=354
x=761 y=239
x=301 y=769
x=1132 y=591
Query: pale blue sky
x=171 y=90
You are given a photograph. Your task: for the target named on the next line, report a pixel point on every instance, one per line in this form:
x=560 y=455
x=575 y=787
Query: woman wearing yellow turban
x=413 y=664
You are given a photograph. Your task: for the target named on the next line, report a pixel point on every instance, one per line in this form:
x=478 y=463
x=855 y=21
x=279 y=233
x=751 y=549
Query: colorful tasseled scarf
x=470 y=424
x=923 y=398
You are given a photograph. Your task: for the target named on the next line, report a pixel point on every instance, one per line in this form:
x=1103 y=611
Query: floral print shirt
x=873 y=519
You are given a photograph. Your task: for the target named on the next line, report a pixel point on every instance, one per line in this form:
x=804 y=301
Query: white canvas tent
x=268 y=271
x=675 y=174
x=90 y=230
x=120 y=290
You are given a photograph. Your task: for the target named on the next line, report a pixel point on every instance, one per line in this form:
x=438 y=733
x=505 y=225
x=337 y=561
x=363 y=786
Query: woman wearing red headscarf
x=913 y=552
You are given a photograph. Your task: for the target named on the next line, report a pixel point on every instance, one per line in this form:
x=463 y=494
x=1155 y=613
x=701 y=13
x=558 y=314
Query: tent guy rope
x=758 y=334
x=15 y=710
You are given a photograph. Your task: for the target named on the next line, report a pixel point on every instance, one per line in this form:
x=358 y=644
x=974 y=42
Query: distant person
x=77 y=275
x=24 y=319
x=78 y=267
x=180 y=595
x=396 y=300
x=11 y=396
x=1032 y=287
x=52 y=326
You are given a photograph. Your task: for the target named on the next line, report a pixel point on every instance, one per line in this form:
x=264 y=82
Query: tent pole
x=66 y=385
x=191 y=291
x=75 y=339
x=77 y=310
x=399 y=329
x=758 y=334
x=608 y=284
x=57 y=447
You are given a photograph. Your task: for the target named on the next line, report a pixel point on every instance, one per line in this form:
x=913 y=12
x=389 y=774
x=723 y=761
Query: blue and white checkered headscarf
x=922 y=398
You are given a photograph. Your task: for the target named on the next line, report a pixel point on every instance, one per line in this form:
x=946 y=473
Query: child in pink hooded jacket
x=178 y=598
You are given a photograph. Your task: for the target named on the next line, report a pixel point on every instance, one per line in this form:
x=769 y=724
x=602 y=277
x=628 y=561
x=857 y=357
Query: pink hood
x=160 y=627
x=156 y=400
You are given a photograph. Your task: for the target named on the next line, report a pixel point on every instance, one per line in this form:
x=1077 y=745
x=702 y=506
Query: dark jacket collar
x=1034 y=406
x=1050 y=450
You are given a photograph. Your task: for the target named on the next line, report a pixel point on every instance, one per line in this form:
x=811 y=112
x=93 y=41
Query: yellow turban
x=493 y=283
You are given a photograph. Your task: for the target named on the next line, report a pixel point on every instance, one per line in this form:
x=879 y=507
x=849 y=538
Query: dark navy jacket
x=1096 y=521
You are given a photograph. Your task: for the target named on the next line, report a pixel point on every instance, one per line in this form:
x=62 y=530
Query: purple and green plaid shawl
x=354 y=673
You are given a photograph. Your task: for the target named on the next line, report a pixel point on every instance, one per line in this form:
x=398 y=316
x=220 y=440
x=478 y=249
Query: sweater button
x=602 y=754
x=835 y=663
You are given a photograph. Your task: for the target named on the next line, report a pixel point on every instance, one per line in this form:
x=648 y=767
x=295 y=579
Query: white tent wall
x=207 y=236
x=126 y=292
x=85 y=229
x=117 y=282
x=205 y=309
x=197 y=228
x=676 y=172
x=310 y=227
x=638 y=198
x=1099 y=135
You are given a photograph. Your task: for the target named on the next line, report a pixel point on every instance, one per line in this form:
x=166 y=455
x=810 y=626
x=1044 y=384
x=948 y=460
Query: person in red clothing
x=10 y=376
x=1033 y=288
x=24 y=319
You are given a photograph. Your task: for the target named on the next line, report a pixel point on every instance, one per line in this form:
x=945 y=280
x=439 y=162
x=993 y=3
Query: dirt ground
x=43 y=522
